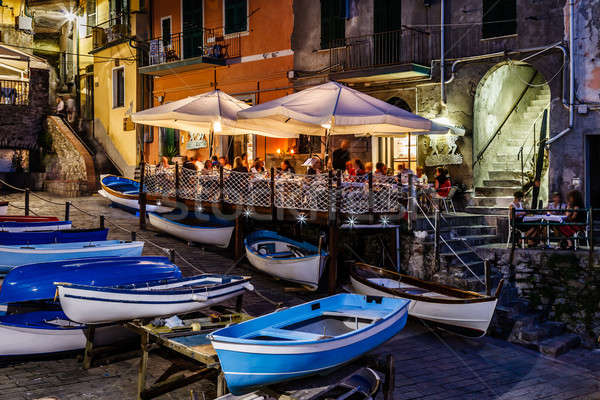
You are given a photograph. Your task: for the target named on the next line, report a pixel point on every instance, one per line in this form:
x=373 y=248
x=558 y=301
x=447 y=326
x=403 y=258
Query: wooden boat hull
x=12 y=256
x=133 y=203
x=31 y=334
x=11 y=226
x=280 y=350
x=94 y=305
x=306 y=270
x=464 y=316
x=212 y=235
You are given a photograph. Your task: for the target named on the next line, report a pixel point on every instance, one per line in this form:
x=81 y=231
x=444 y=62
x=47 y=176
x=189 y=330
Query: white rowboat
x=212 y=234
x=464 y=312
x=95 y=305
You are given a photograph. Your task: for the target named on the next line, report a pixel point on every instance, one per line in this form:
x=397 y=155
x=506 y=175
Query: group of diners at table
x=352 y=171
x=565 y=221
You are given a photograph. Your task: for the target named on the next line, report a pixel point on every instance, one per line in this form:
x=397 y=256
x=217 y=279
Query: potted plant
x=18 y=177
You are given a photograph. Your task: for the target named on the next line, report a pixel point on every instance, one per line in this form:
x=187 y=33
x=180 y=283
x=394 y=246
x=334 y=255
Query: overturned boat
x=35 y=324
x=304 y=340
x=195 y=229
x=126 y=192
x=465 y=312
x=284 y=258
x=93 y=304
x=15 y=255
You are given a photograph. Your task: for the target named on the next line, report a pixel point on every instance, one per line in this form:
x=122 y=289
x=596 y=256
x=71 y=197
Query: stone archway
x=508 y=108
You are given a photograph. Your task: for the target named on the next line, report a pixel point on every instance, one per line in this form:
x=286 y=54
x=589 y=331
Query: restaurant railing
x=321 y=192
x=419 y=45
x=14 y=92
x=212 y=43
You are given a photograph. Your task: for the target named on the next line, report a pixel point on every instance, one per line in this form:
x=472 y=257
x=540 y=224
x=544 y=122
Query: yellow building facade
x=109 y=84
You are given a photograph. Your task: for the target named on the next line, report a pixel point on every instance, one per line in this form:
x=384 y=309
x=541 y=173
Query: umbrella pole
x=327 y=149
x=211 y=136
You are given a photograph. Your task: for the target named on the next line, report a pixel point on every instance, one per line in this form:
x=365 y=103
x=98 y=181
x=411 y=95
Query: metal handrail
x=446 y=243
x=531 y=151
x=504 y=121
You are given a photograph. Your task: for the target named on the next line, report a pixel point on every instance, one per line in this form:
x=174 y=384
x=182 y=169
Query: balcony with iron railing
x=14 y=92
x=195 y=49
x=411 y=47
x=112 y=31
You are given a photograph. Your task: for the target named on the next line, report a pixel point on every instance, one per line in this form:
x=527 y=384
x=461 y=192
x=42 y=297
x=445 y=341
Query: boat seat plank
x=287 y=334
x=353 y=313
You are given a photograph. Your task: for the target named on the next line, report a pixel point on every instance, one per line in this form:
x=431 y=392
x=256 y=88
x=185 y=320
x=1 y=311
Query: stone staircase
x=501 y=161
x=462 y=233
x=514 y=321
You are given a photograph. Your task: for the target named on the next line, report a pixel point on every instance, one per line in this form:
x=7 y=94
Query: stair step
x=559 y=345
x=504 y=174
x=486 y=210
x=502 y=182
x=467 y=230
x=496 y=191
x=497 y=201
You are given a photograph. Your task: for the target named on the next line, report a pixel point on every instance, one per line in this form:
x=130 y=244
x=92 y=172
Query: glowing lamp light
x=278 y=151
x=326 y=125
x=217 y=127
x=70 y=16
x=292 y=151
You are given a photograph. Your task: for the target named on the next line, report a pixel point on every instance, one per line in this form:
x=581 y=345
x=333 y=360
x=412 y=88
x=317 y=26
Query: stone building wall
x=70 y=170
x=564 y=285
x=21 y=124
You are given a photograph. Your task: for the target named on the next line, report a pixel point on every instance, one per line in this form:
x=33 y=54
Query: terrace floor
x=429 y=364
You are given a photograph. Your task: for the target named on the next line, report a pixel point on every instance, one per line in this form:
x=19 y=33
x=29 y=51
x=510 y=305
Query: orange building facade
x=242 y=47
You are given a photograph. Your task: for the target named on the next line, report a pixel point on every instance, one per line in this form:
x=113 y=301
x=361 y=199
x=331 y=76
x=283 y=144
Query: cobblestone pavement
x=429 y=364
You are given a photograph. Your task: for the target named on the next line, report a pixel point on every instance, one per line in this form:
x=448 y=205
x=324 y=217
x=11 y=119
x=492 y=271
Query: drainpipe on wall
x=442 y=55
x=571 y=76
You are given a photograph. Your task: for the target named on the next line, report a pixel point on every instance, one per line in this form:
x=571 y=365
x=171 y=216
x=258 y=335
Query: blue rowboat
x=307 y=339
x=62 y=236
x=13 y=256
x=125 y=193
x=36 y=281
x=284 y=258
x=14 y=226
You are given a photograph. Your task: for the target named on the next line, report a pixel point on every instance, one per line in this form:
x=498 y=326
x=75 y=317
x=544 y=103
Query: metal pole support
x=27 y=201
x=102 y=222
x=436 y=241
x=67 y=210
x=133 y=236
x=488 y=277
x=142 y=197
x=171 y=253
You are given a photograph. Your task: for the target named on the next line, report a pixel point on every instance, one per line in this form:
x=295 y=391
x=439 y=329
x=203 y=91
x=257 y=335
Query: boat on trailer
x=284 y=258
x=61 y=236
x=126 y=192
x=32 y=224
x=464 y=312
x=15 y=255
x=92 y=304
x=307 y=339
x=35 y=324
x=198 y=229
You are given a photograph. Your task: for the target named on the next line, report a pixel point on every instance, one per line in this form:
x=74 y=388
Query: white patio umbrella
x=333 y=109
x=213 y=113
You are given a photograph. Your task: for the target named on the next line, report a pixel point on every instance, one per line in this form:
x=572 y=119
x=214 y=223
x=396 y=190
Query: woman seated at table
x=573 y=216
x=533 y=233
x=368 y=167
x=349 y=171
x=421 y=177
x=359 y=167
x=380 y=169
x=315 y=167
x=259 y=166
x=207 y=167
x=556 y=204
x=286 y=167
x=238 y=165
x=442 y=182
